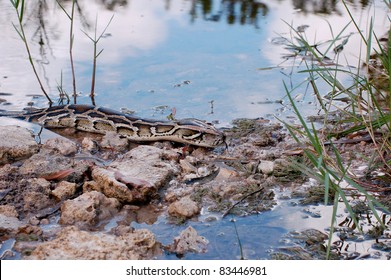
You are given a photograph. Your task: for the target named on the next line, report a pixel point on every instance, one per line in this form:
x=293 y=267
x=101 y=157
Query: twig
x=239 y=242
x=243 y=198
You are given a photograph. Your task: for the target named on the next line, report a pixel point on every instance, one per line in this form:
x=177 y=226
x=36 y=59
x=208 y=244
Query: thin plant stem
x=71 y=41
x=22 y=35
x=239 y=242
x=95 y=42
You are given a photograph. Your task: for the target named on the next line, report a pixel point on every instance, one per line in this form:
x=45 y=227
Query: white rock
x=266 y=167
x=183 y=208
x=16 y=143
x=189 y=241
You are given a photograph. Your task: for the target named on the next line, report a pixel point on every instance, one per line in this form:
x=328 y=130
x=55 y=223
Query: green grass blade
x=326 y=187
x=369 y=44
x=19 y=33
x=21 y=12
x=333 y=219
x=354 y=22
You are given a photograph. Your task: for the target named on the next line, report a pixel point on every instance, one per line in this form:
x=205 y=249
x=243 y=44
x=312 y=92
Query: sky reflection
x=165 y=54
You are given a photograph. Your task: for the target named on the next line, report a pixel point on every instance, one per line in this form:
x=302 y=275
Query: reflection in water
x=232 y=11
x=155 y=59
x=323 y=6
x=37 y=12
x=156 y=45
x=111 y=5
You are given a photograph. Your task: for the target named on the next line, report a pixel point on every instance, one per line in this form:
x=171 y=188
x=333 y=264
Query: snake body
x=103 y=120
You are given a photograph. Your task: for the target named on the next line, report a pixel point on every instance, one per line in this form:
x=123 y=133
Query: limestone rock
x=61 y=145
x=134 y=178
x=54 y=166
x=8 y=210
x=88 y=209
x=189 y=241
x=74 y=244
x=16 y=143
x=9 y=223
x=113 y=141
x=266 y=167
x=89 y=145
x=184 y=208
x=64 y=190
x=37 y=196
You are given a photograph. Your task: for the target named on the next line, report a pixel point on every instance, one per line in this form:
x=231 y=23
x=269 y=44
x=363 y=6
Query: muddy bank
x=66 y=192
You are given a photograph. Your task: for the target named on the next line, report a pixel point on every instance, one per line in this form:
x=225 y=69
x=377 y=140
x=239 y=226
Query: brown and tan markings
x=102 y=120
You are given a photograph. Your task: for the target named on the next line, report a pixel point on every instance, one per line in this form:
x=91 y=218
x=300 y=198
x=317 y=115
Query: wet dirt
x=208 y=190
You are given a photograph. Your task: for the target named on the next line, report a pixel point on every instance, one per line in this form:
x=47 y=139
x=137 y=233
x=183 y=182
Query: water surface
x=205 y=58
x=213 y=59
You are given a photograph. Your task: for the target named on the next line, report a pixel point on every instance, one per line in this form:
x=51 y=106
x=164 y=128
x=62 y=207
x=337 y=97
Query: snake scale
x=102 y=120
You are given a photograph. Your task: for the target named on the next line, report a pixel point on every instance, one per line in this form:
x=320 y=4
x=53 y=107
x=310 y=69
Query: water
x=213 y=59
x=201 y=57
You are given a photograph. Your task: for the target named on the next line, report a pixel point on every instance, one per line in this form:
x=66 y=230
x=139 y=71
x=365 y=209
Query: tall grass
x=365 y=111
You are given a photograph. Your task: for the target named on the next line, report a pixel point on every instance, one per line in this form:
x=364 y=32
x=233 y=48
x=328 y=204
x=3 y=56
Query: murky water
x=213 y=59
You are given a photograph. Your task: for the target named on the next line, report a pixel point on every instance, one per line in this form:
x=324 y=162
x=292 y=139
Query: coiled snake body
x=102 y=120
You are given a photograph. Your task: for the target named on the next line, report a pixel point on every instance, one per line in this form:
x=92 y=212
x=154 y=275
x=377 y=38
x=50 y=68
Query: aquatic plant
x=95 y=41
x=71 y=17
x=364 y=105
x=19 y=6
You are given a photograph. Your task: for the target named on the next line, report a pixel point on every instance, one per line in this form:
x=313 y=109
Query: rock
x=184 y=208
x=9 y=223
x=187 y=167
x=9 y=211
x=134 y=178
x=61 y=145
x=88 y=209
x=64 y=190
x=89 y=145
x=37 y=195
x=189 y=241
x=16 y=143
x=226 y=174
x=34 y=221
x=44 y=222
x=112 y=140
x=266 y=167
x=54 y=167
x=30 y=230
x=74 y=244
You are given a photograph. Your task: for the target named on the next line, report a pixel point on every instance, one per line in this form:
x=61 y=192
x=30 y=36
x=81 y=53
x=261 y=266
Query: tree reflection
x=232 y=11
x=324 y=6
x=249 y=11
x=111 y=5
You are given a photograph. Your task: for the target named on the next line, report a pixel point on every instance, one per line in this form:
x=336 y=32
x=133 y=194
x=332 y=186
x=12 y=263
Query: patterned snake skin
x=102 y=120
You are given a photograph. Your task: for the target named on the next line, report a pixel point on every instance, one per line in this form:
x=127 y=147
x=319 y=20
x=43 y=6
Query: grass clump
x=364 y=104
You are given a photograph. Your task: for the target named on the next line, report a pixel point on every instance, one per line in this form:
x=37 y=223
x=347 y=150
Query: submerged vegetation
x=360 y=107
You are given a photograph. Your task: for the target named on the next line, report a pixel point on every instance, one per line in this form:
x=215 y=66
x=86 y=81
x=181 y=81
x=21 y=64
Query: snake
x=102 y=120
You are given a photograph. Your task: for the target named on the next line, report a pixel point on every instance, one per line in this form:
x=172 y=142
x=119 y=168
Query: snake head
x=200 y=133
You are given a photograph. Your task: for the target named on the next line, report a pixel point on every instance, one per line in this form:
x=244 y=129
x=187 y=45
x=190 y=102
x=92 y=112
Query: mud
x=71 y=192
